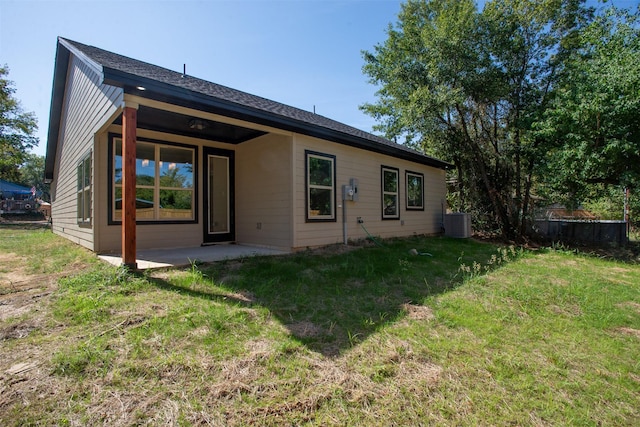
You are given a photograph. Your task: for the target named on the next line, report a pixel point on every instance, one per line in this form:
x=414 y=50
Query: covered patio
x=160 y=258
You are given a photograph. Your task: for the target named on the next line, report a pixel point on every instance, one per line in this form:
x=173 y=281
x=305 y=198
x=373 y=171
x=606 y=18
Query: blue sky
x=303 y=53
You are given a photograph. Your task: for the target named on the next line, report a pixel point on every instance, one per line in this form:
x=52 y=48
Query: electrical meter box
x=353 y=183
x=347 y=192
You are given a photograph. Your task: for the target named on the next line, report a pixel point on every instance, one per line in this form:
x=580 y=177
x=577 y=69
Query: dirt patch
x=25 y=221
x=202 y=331
x=8 y=311
x=243 y=296
x=418 y=312
x=306 y=329
x=570 y=310
x=629 y=331
x=339 y=248
x=12 y=275
x=19 y=330
x=630 y=304
x=618 y=270
x=21 y=293
x=9 y=257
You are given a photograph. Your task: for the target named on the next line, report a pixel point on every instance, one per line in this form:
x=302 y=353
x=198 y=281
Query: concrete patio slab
x=158 y=258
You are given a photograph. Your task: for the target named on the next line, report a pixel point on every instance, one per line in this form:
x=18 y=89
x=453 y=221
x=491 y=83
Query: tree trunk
x=461 y=198
x=498 y=205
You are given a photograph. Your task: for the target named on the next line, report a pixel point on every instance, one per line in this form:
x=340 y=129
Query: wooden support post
x=129 y=125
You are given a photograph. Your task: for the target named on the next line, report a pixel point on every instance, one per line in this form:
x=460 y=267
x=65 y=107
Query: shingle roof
x=127 y=72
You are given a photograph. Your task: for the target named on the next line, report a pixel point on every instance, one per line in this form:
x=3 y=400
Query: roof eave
x=60 y=69
x=187 y=98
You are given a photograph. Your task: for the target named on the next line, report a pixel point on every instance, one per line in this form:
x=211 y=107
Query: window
x=321 y=186
x=390 y=193
x=415 y=190
x=164 y=182
x=84 y=191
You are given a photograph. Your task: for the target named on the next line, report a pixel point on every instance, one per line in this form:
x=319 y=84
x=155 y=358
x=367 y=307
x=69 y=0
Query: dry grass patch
x=115 y=407
x=329 y=339
x=242 y=375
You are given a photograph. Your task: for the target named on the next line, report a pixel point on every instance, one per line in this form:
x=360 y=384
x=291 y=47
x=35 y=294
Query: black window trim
x=111 y=221
x=406 y=185
x=307 y=153
x=384 y=217
x=83 y=222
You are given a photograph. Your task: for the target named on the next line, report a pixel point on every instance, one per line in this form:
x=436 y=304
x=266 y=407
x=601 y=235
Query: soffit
x=158 y=120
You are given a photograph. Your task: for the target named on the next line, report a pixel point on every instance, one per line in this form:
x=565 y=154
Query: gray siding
x=87 y=105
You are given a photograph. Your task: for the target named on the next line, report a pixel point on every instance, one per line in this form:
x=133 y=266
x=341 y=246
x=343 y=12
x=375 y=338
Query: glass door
x=218 y=196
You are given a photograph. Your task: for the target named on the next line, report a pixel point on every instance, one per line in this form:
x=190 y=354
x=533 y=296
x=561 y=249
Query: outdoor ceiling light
x=197 y=124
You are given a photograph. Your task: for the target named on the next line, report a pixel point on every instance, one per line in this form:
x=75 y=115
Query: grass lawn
x=469 y=334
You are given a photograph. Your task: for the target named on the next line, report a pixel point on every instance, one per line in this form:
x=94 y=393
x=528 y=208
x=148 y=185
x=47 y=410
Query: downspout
x=344 y=215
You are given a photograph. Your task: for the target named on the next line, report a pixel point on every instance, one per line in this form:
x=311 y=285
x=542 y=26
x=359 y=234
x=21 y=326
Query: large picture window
x=321 y=186
x=415 y=190
x=84 y=191
x=390 y=193
x=164 y=182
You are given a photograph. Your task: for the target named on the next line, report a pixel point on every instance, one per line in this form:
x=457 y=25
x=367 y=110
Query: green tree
x=17 y=130
x=593 y=119
x=468 y=85
x=32 y=173
x=605 y=201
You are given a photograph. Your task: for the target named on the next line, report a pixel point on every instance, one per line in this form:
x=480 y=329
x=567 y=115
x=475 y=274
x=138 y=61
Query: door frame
x=230 y=236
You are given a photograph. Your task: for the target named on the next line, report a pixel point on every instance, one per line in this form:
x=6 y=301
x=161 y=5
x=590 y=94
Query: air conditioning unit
x=457 y=225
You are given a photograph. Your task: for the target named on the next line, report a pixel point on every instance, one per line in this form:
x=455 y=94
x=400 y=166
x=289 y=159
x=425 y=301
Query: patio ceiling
x=179 y=124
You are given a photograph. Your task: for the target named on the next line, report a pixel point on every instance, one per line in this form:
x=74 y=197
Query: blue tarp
x=8 y=188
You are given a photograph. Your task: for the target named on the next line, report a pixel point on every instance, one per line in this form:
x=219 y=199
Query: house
x=142 y=157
